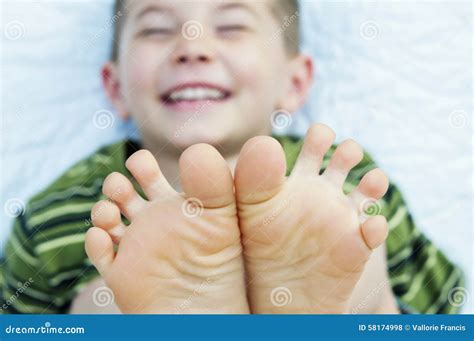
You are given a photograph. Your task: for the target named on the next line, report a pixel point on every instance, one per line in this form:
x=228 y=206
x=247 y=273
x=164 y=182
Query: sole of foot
x=181 y=252
x=305 y=242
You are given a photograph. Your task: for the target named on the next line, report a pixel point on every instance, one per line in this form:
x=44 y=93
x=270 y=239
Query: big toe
x=205 y=176
x=260 y=170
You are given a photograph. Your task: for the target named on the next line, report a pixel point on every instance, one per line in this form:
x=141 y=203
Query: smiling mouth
x=190 y=93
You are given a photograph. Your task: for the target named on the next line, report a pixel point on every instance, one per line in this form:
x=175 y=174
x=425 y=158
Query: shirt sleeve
x=24 y=289
x=42 y=273
x=45 y=265
x=422 y=277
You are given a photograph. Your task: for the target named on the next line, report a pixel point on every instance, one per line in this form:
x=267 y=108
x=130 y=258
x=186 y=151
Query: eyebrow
x=152 y=9
x=238 y=5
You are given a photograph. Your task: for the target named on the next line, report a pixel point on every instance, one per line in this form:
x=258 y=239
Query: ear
x=111 y=84
x=300 y=82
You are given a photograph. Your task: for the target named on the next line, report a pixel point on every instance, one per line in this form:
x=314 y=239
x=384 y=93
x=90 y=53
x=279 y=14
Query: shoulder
x=46 y=245
x=82 y=175
x=54 y=221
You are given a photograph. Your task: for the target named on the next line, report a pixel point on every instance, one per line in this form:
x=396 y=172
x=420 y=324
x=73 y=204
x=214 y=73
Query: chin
x=185 y=140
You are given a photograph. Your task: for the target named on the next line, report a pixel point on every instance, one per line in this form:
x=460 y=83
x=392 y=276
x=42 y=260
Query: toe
x=120 y=190
x=260 y=170
x=374 y=231
x=106 y=215
x=371 y=188
x=347 y=155
x=145 y=170
x=99 y=249
x=374 y=184
x=317 y=142
x=205 y=176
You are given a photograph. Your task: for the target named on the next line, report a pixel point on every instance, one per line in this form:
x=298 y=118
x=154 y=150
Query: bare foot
x=181 y=253
x=305 y=242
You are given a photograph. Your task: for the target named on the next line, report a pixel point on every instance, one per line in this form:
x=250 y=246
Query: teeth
x=194 y=94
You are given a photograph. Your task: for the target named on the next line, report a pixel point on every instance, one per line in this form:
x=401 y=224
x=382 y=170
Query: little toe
x=120 y=190
x=205 y=176
x=347 y=155
x=144 y=168
x=317 y=142
x=374 y=231
x=99 y=249
x=106 y=215
x=260 y=170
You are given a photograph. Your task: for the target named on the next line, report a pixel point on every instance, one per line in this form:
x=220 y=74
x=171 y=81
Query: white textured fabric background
x=396 y=76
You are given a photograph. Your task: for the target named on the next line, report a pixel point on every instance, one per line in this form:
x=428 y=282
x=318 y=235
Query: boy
x=192 y=75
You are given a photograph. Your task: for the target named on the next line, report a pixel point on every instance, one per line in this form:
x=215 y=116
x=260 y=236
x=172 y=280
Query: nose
x=197 y=51
x=185 y=58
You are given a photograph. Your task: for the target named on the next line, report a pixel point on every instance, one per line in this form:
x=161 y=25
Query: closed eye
x=156 y=31
x=230 y=28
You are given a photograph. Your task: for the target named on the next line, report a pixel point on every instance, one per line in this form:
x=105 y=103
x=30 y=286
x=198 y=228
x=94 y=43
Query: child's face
x=204 y=71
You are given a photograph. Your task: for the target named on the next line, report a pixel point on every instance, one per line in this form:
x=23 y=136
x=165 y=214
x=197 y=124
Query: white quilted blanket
x=396 y=76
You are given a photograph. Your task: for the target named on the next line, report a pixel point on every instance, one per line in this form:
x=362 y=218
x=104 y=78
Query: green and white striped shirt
x=45 y=264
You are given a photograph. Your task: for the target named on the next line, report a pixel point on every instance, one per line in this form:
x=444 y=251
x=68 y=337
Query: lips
x=195 y=92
